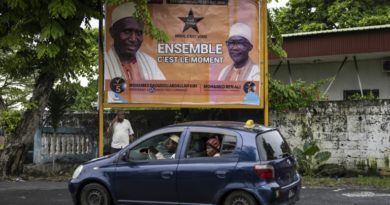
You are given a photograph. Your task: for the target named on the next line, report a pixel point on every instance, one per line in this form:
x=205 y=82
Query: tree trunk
x=12 y=157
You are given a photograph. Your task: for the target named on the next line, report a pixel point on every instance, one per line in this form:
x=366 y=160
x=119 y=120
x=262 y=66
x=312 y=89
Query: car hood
x=104 y=160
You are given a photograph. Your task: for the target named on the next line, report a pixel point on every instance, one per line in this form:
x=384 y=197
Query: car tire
x=240 y=198
x=95 y=194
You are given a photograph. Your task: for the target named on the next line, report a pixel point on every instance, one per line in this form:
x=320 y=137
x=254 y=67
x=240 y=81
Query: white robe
x=148 y=66
x=251 y=72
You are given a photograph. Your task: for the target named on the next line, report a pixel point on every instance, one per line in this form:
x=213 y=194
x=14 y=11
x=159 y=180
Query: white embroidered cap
x=174 y=138
x=123 y=11
x=240 y=29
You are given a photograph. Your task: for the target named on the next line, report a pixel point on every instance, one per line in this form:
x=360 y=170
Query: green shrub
x=310 y=157
x=358 y=96
x=9 y=119
x=299 y=94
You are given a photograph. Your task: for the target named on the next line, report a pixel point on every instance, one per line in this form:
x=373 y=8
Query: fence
x=65 y=145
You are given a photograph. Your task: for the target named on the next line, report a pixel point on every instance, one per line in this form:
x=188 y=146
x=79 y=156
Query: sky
x=274 y=4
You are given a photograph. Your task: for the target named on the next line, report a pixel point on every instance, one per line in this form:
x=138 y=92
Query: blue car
x=204 y=162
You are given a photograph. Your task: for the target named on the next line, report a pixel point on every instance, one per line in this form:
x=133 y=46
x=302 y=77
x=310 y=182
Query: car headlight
x=77 y=172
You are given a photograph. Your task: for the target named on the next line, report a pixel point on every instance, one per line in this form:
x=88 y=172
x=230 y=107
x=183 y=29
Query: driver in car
x=166 y=150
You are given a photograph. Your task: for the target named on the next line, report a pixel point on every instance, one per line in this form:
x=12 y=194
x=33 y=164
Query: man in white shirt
x=122 y=132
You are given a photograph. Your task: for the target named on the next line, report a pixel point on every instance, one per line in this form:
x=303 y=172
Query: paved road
x=49 y=193
x=344 y=196
x=34 y=193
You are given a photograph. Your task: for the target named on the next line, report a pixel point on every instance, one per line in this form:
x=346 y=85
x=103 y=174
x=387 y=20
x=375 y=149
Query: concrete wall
x=351 y=131
x=371 y=75
x=144 y=121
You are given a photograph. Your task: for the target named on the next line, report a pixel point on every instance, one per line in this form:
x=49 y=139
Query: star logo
x=190 y=21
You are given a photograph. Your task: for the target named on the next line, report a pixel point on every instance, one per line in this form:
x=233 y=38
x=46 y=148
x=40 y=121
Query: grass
x=363 y=181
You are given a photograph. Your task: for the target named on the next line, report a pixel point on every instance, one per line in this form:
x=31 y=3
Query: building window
x=348 y=94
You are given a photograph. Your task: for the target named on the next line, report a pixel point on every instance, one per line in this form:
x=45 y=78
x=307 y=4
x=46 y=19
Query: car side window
x=159 y=147
x=229 y=143
x=209 y=144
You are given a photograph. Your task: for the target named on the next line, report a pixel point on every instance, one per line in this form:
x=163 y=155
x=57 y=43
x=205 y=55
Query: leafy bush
x=358 y=96
x=299 y=94
x=309 y=158
x=9 y=119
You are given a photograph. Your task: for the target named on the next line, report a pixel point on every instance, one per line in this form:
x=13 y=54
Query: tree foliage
x=142 y=13
x=14 y=90
x=45 y=36
x=41 y=40
x=9 y=120
x=274 y=35
x=61 y=98
x=315 y=15
x=86 y=97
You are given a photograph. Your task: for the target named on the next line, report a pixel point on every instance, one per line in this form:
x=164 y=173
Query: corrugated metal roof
x=362 y=40
x=337 y=30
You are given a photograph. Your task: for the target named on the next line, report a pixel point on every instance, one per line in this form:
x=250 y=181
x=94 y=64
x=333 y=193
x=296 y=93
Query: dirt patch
x=48 y=171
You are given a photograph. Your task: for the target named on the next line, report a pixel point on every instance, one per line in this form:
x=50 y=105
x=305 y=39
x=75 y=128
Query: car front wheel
x=240 y=198
x=95 y=194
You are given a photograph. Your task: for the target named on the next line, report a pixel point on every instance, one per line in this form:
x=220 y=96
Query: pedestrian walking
x=122 y=132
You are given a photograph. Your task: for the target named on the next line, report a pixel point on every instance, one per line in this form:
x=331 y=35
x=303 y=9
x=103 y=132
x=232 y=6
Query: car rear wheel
x=240 y=198
x=95 y=194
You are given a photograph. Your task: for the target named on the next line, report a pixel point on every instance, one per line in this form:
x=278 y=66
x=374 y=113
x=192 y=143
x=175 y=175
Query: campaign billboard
x=212 y=56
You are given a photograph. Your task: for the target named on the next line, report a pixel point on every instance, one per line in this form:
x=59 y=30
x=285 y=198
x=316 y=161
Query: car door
x=202 y=178
x=143 y=180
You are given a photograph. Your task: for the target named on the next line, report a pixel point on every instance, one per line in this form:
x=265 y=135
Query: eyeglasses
x=237 y=43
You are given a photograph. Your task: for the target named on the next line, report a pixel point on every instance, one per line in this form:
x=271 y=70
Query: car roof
x=225 y=124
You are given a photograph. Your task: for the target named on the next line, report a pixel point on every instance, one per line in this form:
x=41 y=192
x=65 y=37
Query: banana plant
x=310 y=157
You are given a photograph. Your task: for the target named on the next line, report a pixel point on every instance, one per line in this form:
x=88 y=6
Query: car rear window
x=271 y=145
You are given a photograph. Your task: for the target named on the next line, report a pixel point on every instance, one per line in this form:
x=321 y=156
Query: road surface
x=49 y=193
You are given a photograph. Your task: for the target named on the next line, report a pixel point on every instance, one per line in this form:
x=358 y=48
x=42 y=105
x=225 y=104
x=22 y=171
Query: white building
x=358 y=58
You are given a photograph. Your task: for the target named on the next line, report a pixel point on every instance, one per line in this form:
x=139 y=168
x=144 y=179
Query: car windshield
x=271 y=145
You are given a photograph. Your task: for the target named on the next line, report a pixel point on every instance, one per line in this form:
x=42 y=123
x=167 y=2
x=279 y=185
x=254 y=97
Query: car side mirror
x=125 y=156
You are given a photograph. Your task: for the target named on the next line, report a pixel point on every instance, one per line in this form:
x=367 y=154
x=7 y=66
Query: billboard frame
x=263 y=93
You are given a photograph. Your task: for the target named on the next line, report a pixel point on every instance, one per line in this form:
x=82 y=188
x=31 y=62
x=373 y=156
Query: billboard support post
x=264 y=26
x=100 y=82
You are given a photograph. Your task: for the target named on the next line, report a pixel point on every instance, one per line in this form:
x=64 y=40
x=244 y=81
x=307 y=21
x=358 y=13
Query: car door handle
x=221 y=174
x=166 y=174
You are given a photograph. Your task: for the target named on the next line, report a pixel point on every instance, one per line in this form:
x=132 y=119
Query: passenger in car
x=197 y=148
x=212 y=147
x=166 y=150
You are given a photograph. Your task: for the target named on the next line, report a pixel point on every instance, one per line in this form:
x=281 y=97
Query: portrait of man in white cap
x=239 y=45
x=123 y=59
